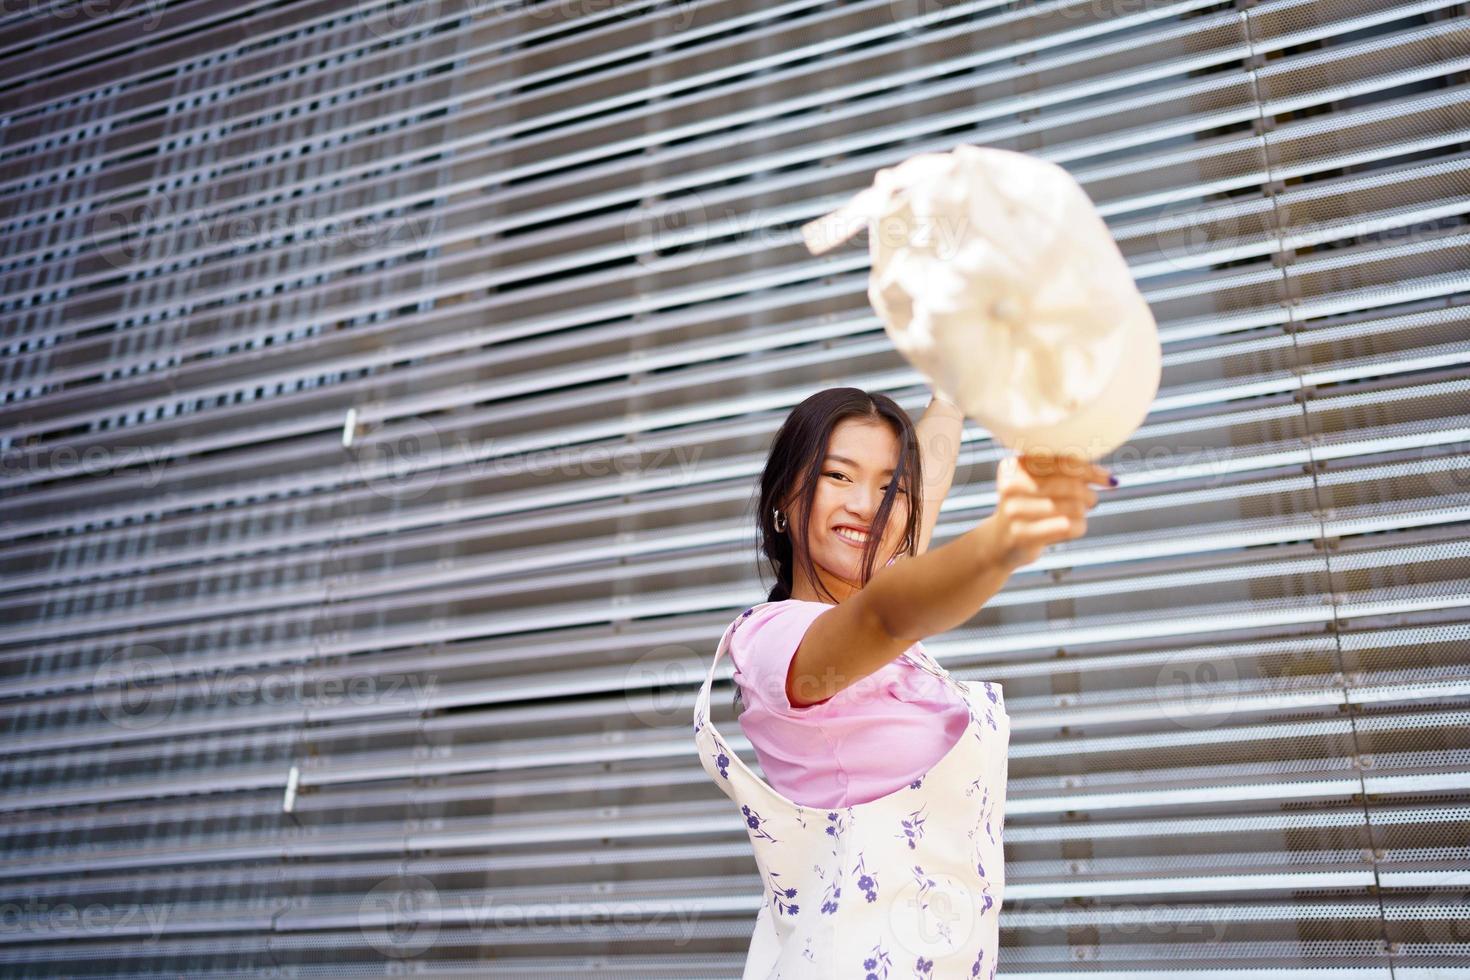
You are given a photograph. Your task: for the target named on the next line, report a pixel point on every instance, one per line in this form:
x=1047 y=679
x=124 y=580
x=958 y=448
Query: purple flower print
x=990 y=693
x=829 y=900
x=979 y=857
x=913 y=828
x=923 y=969
x=987 y=812
x=877 y=960
x=979 y=961
x=989 y=899
x=975 y=854
x=867 y=882
x=836 y=824
x=739 y=620
x=742 y=618
x=780 y=893
x=916 y=783
x=974 y=785
x=722 y=761
x=926 y=885
x=754 y=820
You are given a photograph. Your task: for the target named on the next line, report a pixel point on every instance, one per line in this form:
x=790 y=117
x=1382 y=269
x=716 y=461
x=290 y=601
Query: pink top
x=867 y=740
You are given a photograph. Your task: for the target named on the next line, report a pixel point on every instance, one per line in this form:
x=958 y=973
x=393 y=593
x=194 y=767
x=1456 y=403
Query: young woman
x=877 y=828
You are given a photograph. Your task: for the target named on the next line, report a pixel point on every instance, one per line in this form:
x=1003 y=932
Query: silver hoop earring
x=779 y=520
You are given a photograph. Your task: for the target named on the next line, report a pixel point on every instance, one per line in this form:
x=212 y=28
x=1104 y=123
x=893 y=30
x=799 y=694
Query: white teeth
x=852 y=535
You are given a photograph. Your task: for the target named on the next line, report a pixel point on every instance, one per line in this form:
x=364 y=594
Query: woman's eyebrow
x=844 y=459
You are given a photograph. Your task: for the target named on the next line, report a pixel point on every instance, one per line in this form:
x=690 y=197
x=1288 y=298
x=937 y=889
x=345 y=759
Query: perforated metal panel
x=384 y=390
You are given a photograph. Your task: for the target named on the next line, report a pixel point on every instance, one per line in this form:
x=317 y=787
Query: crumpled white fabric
x=995 y=276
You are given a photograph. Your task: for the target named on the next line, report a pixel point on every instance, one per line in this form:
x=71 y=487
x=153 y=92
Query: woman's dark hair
x=796 y=463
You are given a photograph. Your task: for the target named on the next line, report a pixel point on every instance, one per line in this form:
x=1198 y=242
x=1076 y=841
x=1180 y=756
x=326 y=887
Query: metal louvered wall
x=385 y=386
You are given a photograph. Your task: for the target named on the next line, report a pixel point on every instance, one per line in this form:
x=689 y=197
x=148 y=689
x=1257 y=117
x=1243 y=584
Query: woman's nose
x=864 y=501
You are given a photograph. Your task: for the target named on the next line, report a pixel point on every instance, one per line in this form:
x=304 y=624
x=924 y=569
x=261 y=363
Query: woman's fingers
x=1042 y=508
x=1043 y=500
x=1043 y=465
x=1063 y=488
x=1050 y=530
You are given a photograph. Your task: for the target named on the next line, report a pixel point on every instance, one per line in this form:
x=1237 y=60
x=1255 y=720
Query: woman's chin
x=846 y=567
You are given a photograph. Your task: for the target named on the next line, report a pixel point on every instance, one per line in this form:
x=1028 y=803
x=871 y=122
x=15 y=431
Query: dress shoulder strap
x=723 y=646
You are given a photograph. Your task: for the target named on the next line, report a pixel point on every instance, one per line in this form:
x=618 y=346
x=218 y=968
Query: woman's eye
x=843 y=476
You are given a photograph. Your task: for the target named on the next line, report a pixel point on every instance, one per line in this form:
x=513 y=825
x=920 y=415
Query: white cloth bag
x=995 y=276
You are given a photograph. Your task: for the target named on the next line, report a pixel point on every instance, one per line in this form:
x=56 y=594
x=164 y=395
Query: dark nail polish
x=1112 y=480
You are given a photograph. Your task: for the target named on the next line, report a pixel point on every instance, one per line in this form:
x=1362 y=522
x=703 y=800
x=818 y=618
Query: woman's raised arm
x=1040 y=501
x=939 y=432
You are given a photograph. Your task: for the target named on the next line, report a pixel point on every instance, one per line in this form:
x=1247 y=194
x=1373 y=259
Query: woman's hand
x=1042 y=499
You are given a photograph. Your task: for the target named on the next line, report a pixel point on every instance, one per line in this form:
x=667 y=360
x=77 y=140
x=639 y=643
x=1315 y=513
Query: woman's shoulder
x=801 y=611
x=783 y=609
x=765 y=610
x=778 y=623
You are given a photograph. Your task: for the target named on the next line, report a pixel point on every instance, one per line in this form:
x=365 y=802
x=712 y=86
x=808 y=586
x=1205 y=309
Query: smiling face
x=860 y=462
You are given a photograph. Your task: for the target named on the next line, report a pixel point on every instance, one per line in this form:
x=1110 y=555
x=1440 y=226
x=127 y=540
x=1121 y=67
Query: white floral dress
x=908 y=885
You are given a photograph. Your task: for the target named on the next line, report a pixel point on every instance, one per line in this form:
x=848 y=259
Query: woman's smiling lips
x=848 y=541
